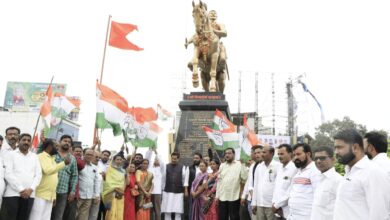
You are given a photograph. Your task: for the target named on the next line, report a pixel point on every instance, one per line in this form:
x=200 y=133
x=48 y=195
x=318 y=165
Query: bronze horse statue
x=206 y=52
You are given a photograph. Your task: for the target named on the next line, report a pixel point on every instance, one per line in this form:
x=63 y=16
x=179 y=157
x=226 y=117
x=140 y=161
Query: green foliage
x=325 y=132
x=339 y=168
x=388 y=148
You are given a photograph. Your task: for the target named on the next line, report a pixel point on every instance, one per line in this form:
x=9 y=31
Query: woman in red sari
x=129 y=212
x=211 y=209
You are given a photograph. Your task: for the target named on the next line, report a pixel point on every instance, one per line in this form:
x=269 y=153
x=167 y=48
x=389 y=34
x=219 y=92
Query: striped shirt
x=302 y=190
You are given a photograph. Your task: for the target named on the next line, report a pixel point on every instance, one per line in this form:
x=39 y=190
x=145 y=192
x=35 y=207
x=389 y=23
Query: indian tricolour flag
x=61 y=106
x=45 y=111
x=111 y=109
x=221 y=123
x=146 y=134
x=222 y=139
x=162 y=113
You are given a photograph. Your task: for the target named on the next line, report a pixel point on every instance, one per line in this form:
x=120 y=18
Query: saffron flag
x=118 y=34
x=222 y=139
x=143 y=114
x=111 y=109
x=163 y=114
x=45 y=111
x=221 y=123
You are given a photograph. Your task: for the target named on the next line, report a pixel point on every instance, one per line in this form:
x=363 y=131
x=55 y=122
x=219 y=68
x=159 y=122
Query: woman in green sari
x=113 y=189
x=144 y=180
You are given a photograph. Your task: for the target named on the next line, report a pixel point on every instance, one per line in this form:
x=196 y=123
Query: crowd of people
x=64 y=181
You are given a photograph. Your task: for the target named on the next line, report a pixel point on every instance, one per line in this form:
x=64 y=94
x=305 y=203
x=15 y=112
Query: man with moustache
x=67 y=180
x=103 y=165
x=264 y=185
x=45 y=193
x=231 y=182
x=325 y=194
x=246 y=197
x=375 y=147
x=89 y=186
x=138 y=160
x=11 y=139
x=364 y=192
x=282 y=183
x=175 y=181
x=23 y=175
x=303 y=183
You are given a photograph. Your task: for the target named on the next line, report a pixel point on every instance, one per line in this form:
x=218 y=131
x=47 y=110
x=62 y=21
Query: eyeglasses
x=321 y=158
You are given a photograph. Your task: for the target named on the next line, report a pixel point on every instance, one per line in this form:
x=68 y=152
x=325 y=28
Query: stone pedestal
x=197 y=110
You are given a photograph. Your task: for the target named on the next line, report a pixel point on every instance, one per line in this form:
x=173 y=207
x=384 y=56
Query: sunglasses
x=321 y=158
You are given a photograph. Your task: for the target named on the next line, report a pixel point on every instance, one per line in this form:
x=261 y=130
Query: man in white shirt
x=282 y=183
x=11 y=140
x=104 y=163
x=364 y=192
x=94 y=210
x=375 y=147
x=23 y=174
x=264 y=185
x=325 y=194
x=303 y=183
x=157 y=169
x=89 y=186
x=248 y=188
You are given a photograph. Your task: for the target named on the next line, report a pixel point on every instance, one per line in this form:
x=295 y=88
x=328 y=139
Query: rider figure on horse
x=220 y=31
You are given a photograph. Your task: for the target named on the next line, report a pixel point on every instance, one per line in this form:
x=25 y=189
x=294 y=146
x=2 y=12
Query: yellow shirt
x=231 y=176
x=47 y=188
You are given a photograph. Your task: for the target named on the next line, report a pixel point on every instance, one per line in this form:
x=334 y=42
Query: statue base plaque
x=197 y=110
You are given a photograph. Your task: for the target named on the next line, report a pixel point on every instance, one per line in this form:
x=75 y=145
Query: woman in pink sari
x=129 y=213
x=210 y=208
x=197 y=192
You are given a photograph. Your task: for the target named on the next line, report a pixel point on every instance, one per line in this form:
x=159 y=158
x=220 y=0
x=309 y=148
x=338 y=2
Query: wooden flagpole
x=95 y=132
x=105 y=47
x=39 y=115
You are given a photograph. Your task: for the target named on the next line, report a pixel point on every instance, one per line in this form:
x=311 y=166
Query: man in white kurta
x=175 y=185
x=157 y=169
x=364 y=192
x=325 y=194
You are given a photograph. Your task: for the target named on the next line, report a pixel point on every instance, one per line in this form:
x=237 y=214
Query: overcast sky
x=341 y=47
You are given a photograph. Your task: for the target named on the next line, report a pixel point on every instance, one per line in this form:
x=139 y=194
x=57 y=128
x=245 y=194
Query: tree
x=325 y=132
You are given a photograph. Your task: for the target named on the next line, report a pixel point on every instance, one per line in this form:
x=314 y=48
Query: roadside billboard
x=27 y=96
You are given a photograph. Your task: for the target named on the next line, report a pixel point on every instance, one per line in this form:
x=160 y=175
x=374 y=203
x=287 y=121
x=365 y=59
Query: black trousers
x=102 y=211
x=16 y=208
x=229 y=210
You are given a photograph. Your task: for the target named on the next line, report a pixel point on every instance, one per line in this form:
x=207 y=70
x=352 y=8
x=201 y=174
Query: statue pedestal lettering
x=197 y=110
